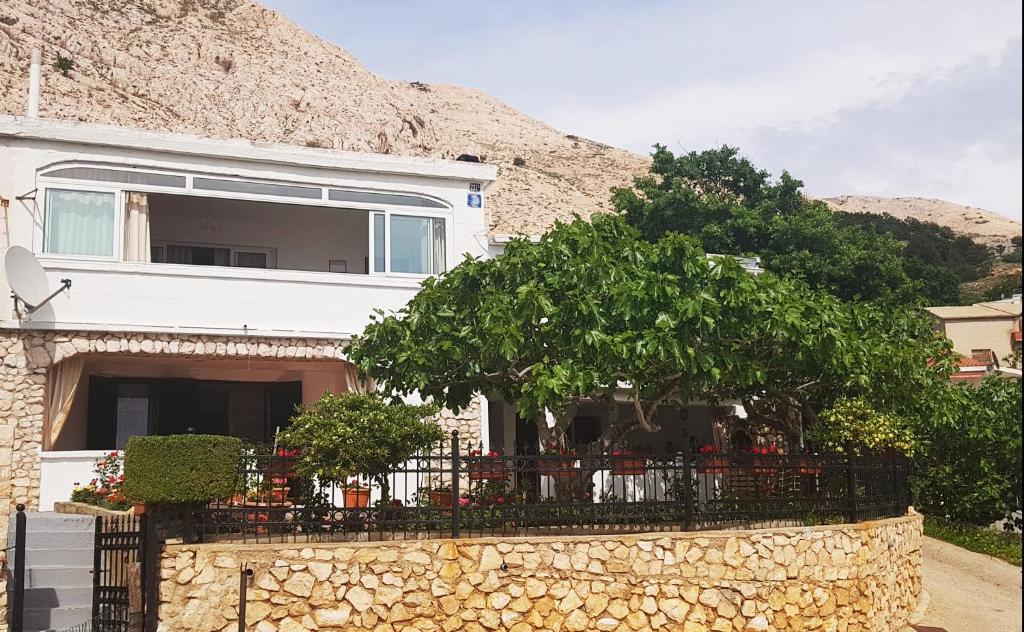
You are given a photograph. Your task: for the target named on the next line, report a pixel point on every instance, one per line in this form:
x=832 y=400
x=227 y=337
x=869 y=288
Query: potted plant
x=485 y=467
x=279 y=489
x=628 y=463
x=106 y=489
x=356 y=494
x=343 y=436
x=557 y=462
x=766 y=460
x=439 y=496
x=711 y=461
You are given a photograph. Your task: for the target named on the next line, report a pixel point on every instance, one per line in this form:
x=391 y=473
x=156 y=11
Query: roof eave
x=240 y=149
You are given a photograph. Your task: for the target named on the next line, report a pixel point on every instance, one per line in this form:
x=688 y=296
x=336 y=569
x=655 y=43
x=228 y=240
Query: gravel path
x=969 y=592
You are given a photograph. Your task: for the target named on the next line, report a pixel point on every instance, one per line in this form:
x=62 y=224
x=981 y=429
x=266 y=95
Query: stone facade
x=27 y=355
x=467 y=422
x=845 y=577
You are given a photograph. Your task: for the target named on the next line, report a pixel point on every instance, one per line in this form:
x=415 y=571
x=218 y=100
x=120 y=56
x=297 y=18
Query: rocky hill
x=231 y=68
x=984 y=226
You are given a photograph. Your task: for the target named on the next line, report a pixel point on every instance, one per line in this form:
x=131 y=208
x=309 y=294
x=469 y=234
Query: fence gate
x=124 y=573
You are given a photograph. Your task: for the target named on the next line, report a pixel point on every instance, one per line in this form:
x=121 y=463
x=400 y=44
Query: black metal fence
x=453 y=491
x=125 y=574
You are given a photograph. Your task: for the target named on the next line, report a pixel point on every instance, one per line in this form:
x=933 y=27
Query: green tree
x=732 y=207
x=592 y=310
x=349 y=434
x=970 y=469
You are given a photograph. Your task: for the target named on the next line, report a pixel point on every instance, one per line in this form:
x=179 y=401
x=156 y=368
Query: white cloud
x=866 y=97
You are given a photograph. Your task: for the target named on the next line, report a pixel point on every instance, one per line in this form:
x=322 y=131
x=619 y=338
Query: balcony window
x=80 y=223
x=417 y=244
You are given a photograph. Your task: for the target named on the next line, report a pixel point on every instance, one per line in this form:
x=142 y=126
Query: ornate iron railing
x=452 y=491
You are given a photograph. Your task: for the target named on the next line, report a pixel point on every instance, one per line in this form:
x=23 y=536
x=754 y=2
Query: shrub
x=970 y=467
x=181 y=468
x=855 y=424
x=344 y=435
x=64 y=64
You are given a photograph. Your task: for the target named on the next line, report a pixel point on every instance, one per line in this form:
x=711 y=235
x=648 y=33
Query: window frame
x=117 y=239
x=447 y=217
x=233 y=249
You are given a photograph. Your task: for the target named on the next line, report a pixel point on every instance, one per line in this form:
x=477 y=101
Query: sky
x=901 y=98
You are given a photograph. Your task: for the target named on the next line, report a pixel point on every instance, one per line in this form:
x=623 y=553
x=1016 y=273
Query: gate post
x=688 y=482
x=97 y=552
x=18 y=579
x=851 y=487
x=150 y=570
x=456 y=491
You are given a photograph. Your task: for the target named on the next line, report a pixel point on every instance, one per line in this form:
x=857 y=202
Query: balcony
x=230 y=266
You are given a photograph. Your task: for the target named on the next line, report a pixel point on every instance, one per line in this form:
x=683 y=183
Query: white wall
x=305 y=237
x=181 y=298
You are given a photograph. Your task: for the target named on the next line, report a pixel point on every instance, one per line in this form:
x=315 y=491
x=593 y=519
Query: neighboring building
x=984 y=334
x=994 y=326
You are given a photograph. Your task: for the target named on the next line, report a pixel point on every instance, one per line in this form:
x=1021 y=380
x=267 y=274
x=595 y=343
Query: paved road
x=970 y=592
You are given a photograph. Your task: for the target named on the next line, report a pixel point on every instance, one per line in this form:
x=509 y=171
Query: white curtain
x=353 y=383
x=79 y=222
x=437 y=244
x=136 y=228
x=62 y=386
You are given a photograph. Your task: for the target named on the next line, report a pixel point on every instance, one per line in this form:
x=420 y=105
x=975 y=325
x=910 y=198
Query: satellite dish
x=28 y=279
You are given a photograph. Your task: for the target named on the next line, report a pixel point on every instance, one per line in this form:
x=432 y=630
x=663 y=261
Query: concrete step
x=50 y=520
x=37 y=620
x=58 y=576
x=42 y=598
x=36 y=558
x=59 y=540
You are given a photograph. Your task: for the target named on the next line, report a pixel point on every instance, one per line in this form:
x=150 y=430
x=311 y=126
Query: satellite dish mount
x=27 y=279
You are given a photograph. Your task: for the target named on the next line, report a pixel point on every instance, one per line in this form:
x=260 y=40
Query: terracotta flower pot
x=810 y=466
x=357 y=497
x=439 y=499
x=489 y=470
x=628 y=465
x=139 y=508
x=279 y=494
x=714 y=465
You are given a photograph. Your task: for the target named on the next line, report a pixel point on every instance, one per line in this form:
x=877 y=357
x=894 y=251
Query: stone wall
x=846 y=577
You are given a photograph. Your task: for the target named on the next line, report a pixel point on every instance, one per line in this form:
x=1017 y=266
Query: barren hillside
x=234 y=69
x=984 y=226
x=229 y=68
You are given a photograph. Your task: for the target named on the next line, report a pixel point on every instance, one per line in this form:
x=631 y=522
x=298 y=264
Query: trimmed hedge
x=181 y=468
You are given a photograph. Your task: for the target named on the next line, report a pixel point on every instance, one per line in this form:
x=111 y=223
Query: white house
x=213 y=282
